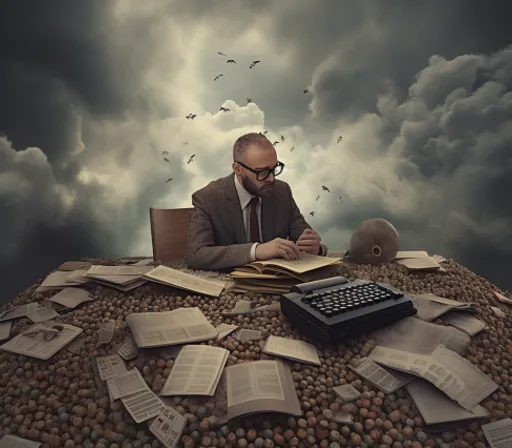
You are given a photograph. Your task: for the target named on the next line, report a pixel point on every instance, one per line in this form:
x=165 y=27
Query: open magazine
x=307 y=262
x=179 y=326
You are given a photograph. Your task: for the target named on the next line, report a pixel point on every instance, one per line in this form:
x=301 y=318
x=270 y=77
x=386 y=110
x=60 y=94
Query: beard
x=252 y=188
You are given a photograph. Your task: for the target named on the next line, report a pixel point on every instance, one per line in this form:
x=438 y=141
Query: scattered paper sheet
x=346 y=392
x=245 y=335
x=128 y=350
x=78 y=277
x=168 y=427
x=196 y=371
x=275 y=306
x=110 y=366
x=143 y=405
x=343 y=417
x=42 y=340
x=455 y=376
x=143 y=262
x=55 y=280
x=126 y=384
x=75 y=345
x=105 y=333
x=381 y=378
x=17 y=312
x=5 y=330
x=502 y=298
x=464 y=322
x=179 y=326
x=118 y=270
x=499 y=434
x=11 y=441
x=430 y=307
x=74 y=265
x=498 y=311
x=435 y=407
x=401 y=254
x=293 y=349
x=42 y=313
x=184 y=280
x=224 y=330
x=71 y=297
x=416 y=264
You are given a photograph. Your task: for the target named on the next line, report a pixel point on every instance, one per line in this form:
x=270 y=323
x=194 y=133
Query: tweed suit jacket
x=217 y=238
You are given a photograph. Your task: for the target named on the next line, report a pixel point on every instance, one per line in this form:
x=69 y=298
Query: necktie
x=253 y=222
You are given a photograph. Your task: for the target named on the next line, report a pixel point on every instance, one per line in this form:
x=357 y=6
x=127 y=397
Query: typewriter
x=331 y=309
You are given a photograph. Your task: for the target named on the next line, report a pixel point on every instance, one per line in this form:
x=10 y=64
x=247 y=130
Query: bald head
x=251 y=142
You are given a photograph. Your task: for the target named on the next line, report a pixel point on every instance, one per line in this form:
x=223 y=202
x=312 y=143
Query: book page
x=126 y=384
x=379 y=377
x=292 y=349
x=42 y=313
x=110 y=366
x=184 y=280
x=12 y=441
x=253 y=381
x=401 y=254
x=143 y=405
x=224 y=330
x=42 y=340
x=306 y=262
x=168 y=427
x=71 y=297
x=5 y=330
x=196 y=371
x=105 y=332
x=499 y=434
x=128 y=350
x=430 y=306
x=435 y=407
x=18 y=311
x=419 y=263
x=179 y=326
x=346 y=392
x=118 y=270
x=245 y=335
x=465 y=322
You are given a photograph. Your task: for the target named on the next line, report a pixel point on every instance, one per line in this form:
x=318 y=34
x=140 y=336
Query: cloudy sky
x=92 y=92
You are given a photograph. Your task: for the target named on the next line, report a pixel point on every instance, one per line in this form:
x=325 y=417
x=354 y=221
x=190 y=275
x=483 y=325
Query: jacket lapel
x=233 y=212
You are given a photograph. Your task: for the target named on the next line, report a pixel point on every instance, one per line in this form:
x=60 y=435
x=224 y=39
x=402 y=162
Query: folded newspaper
x=455 y=376
x=430 y=307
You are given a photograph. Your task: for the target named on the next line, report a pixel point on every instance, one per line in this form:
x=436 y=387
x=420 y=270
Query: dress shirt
x=245 y=198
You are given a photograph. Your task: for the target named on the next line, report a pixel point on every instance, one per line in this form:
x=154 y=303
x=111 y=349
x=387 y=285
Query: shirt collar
x=243 y=195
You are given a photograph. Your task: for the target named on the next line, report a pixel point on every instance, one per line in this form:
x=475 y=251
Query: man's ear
x=236 y=168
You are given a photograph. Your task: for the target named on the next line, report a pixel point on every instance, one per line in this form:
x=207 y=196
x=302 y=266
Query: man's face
x=258 y=157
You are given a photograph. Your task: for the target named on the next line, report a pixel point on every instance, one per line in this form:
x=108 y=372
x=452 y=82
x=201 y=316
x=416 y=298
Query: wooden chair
x=169 y=232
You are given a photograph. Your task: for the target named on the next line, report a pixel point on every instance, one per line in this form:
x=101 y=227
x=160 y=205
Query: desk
x=65 y=387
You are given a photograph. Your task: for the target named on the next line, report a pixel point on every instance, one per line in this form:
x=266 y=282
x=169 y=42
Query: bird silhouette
x=218 y=76
x=191 y=116
x=224 y=109
x=249 y=100
x=168 y=180
x=275 y=143
x=318 y=197
x=265 y=131
x=191 y=158
x=185 y=143
x=282 y=138
x=340 y=138
x=325 y=188
x=305 y=91
x=312 y=213
x=292 y=148
x=165 y=153
x=221 y=53
x=167 y=160
x=253 y=64
x=230 y=61
x=339 y=197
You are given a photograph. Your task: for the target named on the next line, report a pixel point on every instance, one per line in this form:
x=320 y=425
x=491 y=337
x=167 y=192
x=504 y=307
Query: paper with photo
x=465 y=322
x=293 y=349
x=382 y=379
x=499 y=434
x=12 y=441
x=42 y=313
x=168 y=427
x=126 y=384
x=110 y=366
x=71 y=297
x=143 y=405
x=128 y=350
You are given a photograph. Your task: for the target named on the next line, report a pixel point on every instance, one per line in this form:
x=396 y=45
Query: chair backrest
x=169 y=232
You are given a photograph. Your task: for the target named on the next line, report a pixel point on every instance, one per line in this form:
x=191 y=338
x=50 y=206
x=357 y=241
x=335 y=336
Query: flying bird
x=282 y=138
x=191 y=158
x=275 y=143
x=168 y=180
x=312 y=213
x=230 y=61
x=292 y=148
x=249 y=100
x=167 y=160
x=253 y=64
x=191 y=116
x=318 y=197
x=165 y=153
x=305 y=91
x=339 y=197
x=325 y=188
x=221 y=53
x=224 y=109
x=340 y=138
x=218 y=76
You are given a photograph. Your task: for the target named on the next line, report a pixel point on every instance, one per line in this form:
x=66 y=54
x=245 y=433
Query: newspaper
x=17 y=312
x=105 y=333
x=126 y=384
x=110 y=366
x=455 y=376
x=499 y=434
x=416 y=336
x=143 y=405
x=435 y=407
x=128 y=350
x=502 y=298
x=174 y=277
x=42 y=313
x=291 y=349
x=56 y=280
x=381 y=378
x=347 y=392
x=179 y=326
x=245 y=335
x=196 y=371
x=168 y=427
x=465 y=322
x=498 y=311
x=430 y=307
x=42 y=340
x=260 y=386
x=11 y=441
x=71 y=297
x=224 y=330
x=5 y=330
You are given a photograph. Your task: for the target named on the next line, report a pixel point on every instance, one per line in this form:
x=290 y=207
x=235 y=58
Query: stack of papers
x=278 y=276
x=123 y=278
x=419 y=260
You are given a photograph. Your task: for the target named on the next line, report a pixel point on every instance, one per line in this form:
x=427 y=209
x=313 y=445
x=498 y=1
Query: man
x=248 y=215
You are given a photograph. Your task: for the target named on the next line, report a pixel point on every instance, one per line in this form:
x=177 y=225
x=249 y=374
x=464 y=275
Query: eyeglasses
x=265 y=172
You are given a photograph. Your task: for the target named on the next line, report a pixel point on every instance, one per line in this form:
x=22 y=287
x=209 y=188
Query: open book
x=307 y=262
x=196 y=371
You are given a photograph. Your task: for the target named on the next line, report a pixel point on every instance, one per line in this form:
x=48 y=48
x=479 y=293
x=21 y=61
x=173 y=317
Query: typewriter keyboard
x=349 y=298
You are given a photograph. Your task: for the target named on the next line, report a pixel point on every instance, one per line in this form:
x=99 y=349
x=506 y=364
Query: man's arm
x=298 y=224
x=201 y=250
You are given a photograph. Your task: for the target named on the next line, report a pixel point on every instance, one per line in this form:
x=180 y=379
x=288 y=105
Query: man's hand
x=309 y=241
x=278 y=248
